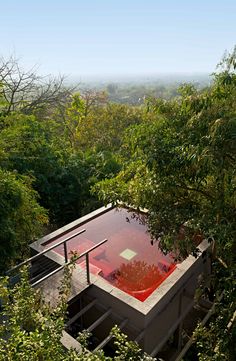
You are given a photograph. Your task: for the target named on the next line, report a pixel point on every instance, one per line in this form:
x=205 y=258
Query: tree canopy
x=56 y=142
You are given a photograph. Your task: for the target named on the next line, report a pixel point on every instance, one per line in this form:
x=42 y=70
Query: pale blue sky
x=79 y=37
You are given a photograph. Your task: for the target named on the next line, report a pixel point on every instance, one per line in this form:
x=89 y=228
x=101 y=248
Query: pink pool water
x=128 y=260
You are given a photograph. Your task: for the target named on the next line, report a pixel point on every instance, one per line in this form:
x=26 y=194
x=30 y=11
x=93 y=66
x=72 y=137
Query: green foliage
x=218 y=340
x=21 y=217
x=62 y=178
x=127 y=350
x=31 y=330
x=103 y=127
x=183 y=170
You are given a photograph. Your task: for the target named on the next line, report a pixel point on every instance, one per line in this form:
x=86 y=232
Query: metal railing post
x=65 y=252
x=87 y=268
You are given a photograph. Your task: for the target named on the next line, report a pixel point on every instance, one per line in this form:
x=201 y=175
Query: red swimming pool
x=128 y=260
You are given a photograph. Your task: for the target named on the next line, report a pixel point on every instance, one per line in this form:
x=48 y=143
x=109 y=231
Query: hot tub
x=128 y=260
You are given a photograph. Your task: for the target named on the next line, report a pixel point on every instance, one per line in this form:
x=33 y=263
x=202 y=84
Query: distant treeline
x=136 y=91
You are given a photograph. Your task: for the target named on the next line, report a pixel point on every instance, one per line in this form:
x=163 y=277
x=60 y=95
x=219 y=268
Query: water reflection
x=136 y=276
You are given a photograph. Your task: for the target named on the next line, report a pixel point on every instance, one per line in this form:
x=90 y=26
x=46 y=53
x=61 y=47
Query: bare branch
x=28 y=92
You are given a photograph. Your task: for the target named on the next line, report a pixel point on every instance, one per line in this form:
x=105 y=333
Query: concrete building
x=120 y=278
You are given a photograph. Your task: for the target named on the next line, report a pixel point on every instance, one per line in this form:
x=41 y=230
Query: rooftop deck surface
x=50 y=287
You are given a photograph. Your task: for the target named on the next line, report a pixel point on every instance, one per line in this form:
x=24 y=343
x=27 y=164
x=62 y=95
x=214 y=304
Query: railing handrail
x=85 y=253
x=45 y=251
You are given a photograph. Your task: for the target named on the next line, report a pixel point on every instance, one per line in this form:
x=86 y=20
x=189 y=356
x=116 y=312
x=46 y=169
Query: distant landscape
x=126 y=89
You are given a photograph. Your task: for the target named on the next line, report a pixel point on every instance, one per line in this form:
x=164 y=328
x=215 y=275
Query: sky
x=117 y=37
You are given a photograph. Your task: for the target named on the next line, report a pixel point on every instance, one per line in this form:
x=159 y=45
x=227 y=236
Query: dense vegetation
x=64 y=153
x=31 y=330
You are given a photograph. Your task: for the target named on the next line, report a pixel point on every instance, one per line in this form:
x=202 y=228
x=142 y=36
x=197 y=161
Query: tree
x=27 y=92
x=181 y=166
x=61 y=177
x=21 y=217
x=104 y=127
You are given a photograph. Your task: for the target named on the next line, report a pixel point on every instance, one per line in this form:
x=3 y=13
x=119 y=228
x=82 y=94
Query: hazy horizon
x=127 y=80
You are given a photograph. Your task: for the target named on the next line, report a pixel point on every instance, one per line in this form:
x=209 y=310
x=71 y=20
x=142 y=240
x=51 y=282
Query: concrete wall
x=164 y=310
x=119 y=307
